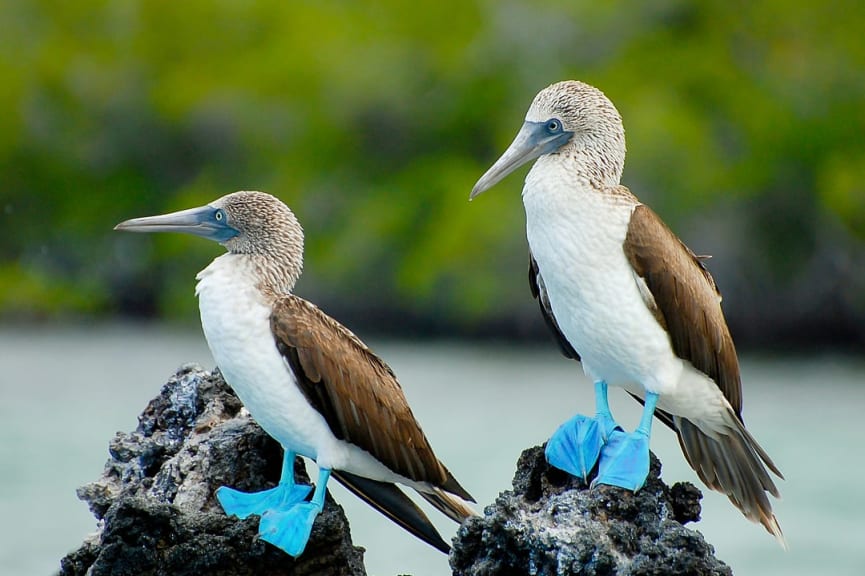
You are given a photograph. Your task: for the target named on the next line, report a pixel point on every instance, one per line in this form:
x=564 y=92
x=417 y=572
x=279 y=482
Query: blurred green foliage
x=373 y=120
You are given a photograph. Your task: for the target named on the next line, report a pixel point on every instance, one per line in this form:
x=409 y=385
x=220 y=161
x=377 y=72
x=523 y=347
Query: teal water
x=65 y=392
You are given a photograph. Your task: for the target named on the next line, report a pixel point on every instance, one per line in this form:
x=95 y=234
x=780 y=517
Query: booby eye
x=219 y=215
x=554 y=126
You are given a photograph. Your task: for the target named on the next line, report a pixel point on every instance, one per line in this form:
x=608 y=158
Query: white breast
x=576 y=235
x=236 y=323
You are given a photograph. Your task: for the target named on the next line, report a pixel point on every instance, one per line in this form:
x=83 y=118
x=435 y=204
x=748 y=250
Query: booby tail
x=733 y=464
x=388 y=499
x=452 y=507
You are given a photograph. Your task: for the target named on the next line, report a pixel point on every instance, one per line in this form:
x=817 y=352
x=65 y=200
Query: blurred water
x=66 y=391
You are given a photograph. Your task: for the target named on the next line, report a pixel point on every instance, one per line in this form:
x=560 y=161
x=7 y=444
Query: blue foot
x=243 y=504
x=625 y=457
x=625 y=461
x=284 y=495
x=289 y=529
x=577 y=443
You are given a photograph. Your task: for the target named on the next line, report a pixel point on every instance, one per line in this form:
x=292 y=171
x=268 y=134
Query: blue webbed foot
x=625 y=461
x=286 y=520
x=289 y=529
x=576 y=445
x=284 y=495
x=625 y=457
x=243 y=504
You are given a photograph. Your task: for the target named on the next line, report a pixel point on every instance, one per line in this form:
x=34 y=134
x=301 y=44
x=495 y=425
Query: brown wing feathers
x=688 y=303
x=688 y=300
x=356 y=392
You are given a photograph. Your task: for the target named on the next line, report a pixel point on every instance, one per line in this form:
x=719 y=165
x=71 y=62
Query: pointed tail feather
x=451 y=485
x=393 y=503
x=734 y=464
x=449 y=505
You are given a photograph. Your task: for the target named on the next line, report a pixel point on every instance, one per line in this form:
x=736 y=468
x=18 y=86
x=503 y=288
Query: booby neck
x=270 y=279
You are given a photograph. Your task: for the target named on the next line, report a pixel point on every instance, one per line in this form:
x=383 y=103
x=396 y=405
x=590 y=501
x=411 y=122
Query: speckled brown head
x=569 y=119
x=254 y=224
x=264 y=225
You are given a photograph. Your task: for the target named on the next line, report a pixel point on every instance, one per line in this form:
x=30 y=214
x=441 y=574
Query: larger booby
x=306 y=379
x=625 y=296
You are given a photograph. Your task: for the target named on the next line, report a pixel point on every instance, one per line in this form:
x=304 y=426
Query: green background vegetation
x=745 y=125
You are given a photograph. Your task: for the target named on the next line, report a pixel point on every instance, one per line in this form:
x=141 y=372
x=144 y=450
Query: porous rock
x=554 y=524
x=157 y=512
x=155 y=502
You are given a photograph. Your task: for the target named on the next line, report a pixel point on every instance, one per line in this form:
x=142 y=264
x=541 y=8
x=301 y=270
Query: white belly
x=576 y=237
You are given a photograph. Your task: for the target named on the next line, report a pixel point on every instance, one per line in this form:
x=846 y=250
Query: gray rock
x=157 y=513
x=155 y=501
x=552 y=523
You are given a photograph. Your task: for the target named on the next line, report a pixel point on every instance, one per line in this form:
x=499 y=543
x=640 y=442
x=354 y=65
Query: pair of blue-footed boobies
x=306 y=379
x=618 y=289
x=627 y=298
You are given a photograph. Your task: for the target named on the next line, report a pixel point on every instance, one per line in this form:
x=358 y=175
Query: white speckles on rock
x=552 y=523
x=155 y=503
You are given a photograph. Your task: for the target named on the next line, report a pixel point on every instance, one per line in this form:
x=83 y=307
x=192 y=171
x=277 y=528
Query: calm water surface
x=67 y=391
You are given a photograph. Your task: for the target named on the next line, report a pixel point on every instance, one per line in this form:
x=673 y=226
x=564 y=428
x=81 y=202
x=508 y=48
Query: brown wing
x=539 y=291
x=355 y=391
x=687 y=301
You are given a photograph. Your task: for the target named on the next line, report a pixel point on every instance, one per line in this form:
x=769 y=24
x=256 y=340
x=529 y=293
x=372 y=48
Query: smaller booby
x=305 y=378
x=627 y=298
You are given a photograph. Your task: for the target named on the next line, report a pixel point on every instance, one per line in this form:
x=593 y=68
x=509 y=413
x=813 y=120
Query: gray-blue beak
x=532 y=141
x=206 y=221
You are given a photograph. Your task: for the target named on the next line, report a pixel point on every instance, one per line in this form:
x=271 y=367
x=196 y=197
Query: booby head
x=574 y=121
x=250 y=223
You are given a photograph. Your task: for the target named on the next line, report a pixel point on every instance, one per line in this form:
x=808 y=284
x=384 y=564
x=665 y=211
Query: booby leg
x=576 y=445
x=285 y=494
x=289 y=529
x=625 y=458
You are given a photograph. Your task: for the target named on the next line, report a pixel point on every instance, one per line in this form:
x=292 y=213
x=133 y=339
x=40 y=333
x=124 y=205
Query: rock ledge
x=552 y=523
x=157 y=513
x=155 y=501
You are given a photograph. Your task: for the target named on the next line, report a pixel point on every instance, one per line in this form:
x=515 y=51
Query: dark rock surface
x=155 y=501
x=158 y=514
x=552 y=523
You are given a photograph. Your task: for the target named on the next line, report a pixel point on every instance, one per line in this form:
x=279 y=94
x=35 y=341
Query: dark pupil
x=553 y=126
x=219 y=215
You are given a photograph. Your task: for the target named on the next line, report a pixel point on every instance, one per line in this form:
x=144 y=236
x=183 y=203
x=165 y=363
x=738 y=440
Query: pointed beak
x=206 y=221
x=532 y=141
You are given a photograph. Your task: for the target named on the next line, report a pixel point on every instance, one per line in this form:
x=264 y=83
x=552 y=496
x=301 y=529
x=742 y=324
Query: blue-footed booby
x=305 y=378
x=627 y=298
